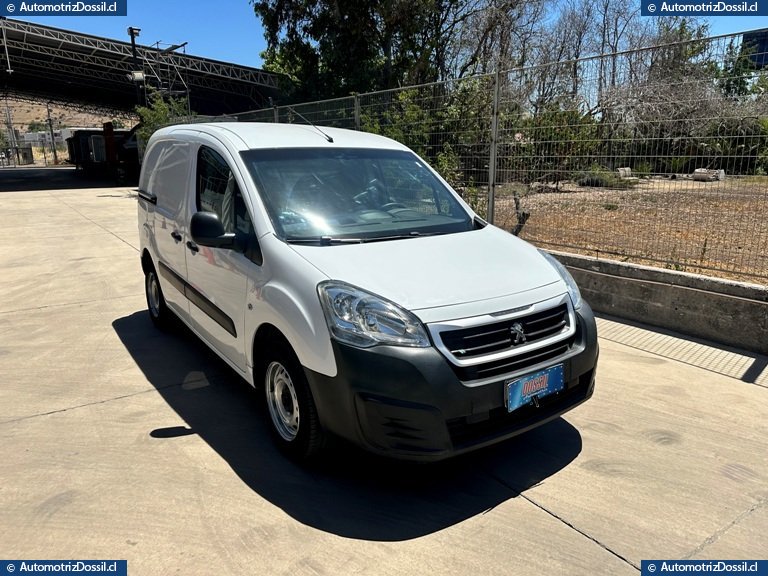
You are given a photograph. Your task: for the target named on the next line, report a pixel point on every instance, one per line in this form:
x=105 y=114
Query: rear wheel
x=158 y=310
x=292 y=412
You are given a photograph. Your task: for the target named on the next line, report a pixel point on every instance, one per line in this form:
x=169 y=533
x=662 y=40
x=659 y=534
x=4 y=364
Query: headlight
x=362 y=319
x=570 y=283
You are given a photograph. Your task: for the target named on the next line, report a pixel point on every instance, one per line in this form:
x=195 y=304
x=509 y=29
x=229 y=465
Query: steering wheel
x=374 y=195
x=392 y=205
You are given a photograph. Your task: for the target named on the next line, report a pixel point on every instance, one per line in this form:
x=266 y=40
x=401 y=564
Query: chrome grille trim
x=555 y=318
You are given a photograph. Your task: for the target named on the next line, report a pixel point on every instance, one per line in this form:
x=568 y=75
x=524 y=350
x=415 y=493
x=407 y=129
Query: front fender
x=285 y=297
x=301 y=322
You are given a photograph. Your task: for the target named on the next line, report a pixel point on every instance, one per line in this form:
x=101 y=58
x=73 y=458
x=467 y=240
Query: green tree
x=160 y=111
x=405 y=118
x=37 y=126
x=553 y=145
x=331 y=49
x=736 y=75
x=682 y=52
x=760 y=86
x=659 y=121
x=736 y=145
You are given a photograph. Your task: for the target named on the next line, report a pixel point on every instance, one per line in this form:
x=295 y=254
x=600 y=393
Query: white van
x=339 y=272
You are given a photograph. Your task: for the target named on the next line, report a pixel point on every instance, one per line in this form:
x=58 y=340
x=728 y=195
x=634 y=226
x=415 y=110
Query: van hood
x=450 y=270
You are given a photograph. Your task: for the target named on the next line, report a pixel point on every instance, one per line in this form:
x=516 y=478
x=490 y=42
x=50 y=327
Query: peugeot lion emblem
x=518 y=334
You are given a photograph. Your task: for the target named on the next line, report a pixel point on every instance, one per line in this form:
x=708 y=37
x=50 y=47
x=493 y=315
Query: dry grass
x=23 y=113
x=714 y=228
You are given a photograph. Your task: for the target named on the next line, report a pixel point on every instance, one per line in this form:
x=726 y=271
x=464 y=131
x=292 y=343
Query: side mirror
x=207 y=230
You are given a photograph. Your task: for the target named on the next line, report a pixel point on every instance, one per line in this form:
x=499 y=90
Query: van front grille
x=506 y=335
x=513 y=363
x=511 y=345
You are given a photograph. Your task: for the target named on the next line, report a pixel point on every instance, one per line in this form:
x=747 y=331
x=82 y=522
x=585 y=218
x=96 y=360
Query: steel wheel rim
x=153 y=295
x=282 y=401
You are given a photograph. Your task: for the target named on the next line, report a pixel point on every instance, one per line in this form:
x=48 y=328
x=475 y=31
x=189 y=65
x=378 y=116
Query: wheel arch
x=266 y=336
x=147 y=265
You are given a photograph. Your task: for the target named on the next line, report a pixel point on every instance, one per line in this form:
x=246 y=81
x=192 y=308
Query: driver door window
x=218 y=192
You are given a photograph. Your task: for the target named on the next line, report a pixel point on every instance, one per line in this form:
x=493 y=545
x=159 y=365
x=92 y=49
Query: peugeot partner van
x=342 y=275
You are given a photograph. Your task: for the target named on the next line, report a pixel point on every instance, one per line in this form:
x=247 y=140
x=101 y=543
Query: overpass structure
x=94 y=73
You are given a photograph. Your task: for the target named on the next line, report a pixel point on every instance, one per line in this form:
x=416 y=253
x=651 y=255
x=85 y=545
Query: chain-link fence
x=656 y=156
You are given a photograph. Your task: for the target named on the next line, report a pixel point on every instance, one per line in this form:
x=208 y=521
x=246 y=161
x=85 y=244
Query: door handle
x=192 y=246
x=176 y=236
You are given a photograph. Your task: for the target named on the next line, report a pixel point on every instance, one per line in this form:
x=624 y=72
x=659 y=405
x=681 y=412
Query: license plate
x=530 y=388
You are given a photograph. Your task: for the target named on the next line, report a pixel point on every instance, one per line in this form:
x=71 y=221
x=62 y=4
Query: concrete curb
x=722 y=311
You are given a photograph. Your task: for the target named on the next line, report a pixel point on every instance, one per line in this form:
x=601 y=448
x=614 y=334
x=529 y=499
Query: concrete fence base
x=725 y=312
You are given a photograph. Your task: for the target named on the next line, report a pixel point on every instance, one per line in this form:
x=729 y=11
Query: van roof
x=255 y=135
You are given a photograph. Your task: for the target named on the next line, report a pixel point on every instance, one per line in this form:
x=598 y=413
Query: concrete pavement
x=118 y=441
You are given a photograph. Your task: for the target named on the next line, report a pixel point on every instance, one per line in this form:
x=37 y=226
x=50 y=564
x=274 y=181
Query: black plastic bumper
x=409 y=403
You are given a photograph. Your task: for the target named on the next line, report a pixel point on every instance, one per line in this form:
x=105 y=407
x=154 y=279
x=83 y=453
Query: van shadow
x=351 y=494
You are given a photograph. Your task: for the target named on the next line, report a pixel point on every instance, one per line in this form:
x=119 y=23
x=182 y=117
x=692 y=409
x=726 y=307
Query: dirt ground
x=715 y=228
x=23 y=113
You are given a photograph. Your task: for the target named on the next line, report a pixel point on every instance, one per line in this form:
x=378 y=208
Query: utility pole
x=137 y=72
x=13 y=144
x=53 y=138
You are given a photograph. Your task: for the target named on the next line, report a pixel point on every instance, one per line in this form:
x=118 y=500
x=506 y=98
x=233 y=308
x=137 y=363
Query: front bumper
x=410 y=403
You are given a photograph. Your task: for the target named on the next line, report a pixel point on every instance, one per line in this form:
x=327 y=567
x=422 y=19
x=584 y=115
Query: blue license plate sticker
x=532 y=387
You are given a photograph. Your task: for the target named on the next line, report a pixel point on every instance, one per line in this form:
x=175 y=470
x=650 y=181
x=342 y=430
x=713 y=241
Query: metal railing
x=656 y=156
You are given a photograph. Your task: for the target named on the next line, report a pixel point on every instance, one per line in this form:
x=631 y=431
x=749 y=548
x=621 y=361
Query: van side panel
x=167 y=177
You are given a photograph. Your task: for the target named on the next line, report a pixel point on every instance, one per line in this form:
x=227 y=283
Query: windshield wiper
x=393 y=237
x=331 y=240
x=322 y=240
x=412 y=234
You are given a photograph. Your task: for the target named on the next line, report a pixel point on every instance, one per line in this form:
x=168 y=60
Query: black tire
x=158 y=309
x=292 y=413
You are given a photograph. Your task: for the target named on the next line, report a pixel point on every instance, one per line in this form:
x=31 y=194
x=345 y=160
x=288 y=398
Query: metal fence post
x=276 y=112
x=494 y=144
x=357 y=112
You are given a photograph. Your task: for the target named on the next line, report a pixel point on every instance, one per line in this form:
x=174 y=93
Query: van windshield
x=352 y=195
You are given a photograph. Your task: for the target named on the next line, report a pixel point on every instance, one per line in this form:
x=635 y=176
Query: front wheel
x=292 y=412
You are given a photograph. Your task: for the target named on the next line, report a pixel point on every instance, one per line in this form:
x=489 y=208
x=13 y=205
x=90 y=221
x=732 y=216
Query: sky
x=230 y=31
x=226 y=30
